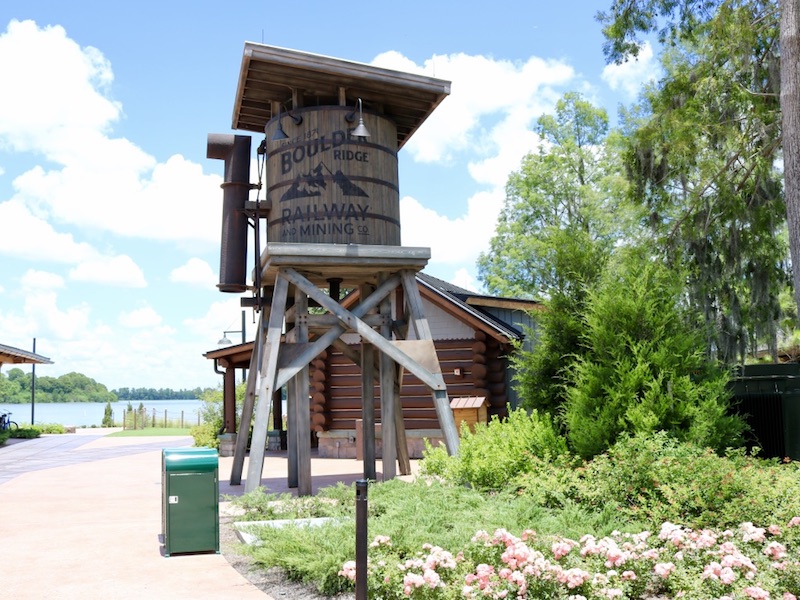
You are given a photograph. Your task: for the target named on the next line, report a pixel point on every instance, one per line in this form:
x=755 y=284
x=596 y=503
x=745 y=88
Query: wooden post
x=229 y=400
x=243 y=433
x=422 y=329
x=269 y=366
x=368 y=401
x=302 y=406
x=389 y=400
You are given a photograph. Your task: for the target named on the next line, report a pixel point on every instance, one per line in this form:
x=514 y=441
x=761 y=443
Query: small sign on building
x=470 y=410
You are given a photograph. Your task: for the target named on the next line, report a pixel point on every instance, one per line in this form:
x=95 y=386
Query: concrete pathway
x=80 y=517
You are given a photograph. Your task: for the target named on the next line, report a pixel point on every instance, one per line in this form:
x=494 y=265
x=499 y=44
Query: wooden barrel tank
x=326 y=186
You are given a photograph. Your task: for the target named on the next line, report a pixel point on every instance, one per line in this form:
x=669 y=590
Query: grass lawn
x=150 y=431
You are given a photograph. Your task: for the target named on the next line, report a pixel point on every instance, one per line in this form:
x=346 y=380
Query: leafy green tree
x=8 y=389
x=212 y=417
x=644 y=368
x=562 y=217
x=713 y=194
x=728 y=105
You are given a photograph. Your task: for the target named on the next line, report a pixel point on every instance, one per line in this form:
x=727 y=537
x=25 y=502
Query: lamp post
x=33 y=383
x=226 y=342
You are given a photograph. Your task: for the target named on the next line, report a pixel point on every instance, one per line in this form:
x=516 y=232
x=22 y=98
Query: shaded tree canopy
x=723 y=140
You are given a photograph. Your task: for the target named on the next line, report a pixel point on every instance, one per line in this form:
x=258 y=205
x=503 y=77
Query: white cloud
x=23 y=235
x=35 y=280
x=487 y=119
x=59 y=110
x=41 y=313
x=452 y=241
x=139 y=318
x=630 y=76
x=194 y=272
x=55 y=85
x=463 y=278
x=486 y=94
x=109 y=270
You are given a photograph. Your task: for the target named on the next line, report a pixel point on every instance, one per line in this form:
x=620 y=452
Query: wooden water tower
x=331 y=133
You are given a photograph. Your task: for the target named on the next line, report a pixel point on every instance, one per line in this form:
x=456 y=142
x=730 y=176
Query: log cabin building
x=473 y=334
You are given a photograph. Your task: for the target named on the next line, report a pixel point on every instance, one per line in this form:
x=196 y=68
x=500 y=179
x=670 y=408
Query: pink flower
x=775 y=550
x=727 y=576
x=432 y=579
x=561 y=548
x=650 y=554
x=664 y=569
x=795 y=521
x=774 y=529
x=615 y=557
x=381 y=540
x=349 y=570
x=411 y=581
x=573 y=578
x=751 y=533
x=789 y=596
x=756 y=592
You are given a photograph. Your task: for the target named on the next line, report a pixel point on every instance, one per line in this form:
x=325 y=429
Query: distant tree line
x=15 y=388
x=157 y=394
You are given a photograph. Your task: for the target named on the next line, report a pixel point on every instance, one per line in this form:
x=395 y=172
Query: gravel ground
x=272 y=581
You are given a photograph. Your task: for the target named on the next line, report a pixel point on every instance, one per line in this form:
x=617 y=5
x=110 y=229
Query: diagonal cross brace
x=433 y=380
x=312 y=349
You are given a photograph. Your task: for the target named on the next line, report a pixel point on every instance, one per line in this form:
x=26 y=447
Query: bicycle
x=6 y=424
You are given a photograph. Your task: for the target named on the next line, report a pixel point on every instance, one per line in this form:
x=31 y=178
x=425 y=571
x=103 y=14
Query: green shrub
x=50 y=428
x=108 y=416
x=26 y=433
x=212 y=420
x=205 y=435
x=4 y=435
x=656 y=478
x=645 y=369
x=497 y=452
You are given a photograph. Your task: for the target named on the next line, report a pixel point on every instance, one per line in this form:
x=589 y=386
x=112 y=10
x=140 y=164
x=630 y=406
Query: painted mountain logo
x=312 y=184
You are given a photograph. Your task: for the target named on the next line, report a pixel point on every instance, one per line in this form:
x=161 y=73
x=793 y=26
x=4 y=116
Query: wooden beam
x=268 y=370
x=322 y=342
x=253 y=376
x=416 y=315
x=420 y=324
x=368 y=375
x=301 y=403
x=389 y=400
x=351 y=320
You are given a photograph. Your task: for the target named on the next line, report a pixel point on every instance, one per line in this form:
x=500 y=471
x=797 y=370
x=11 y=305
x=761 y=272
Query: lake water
x=86 y=414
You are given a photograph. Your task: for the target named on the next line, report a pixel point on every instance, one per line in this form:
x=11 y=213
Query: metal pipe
x=235 y=151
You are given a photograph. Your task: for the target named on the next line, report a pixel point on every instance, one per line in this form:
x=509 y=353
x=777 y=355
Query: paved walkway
x=24 y=456
x=80 y=518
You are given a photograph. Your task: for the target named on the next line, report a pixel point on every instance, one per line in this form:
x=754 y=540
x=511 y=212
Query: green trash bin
x=190 y=500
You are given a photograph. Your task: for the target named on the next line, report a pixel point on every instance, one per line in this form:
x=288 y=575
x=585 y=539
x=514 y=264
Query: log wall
x=336 y=385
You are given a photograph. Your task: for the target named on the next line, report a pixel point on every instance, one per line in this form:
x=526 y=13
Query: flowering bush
x=676 y=562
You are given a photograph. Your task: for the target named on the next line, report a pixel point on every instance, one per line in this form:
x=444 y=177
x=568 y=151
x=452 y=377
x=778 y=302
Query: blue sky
x=110 y=211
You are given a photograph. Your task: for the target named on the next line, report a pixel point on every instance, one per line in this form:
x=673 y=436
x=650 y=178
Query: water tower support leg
x=243 y=432
x=268 y=370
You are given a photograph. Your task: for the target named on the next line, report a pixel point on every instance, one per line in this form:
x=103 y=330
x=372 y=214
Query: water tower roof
x=272 y=76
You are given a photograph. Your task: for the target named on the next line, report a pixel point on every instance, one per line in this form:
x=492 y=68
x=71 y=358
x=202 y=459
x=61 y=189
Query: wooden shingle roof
x=271 y=76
